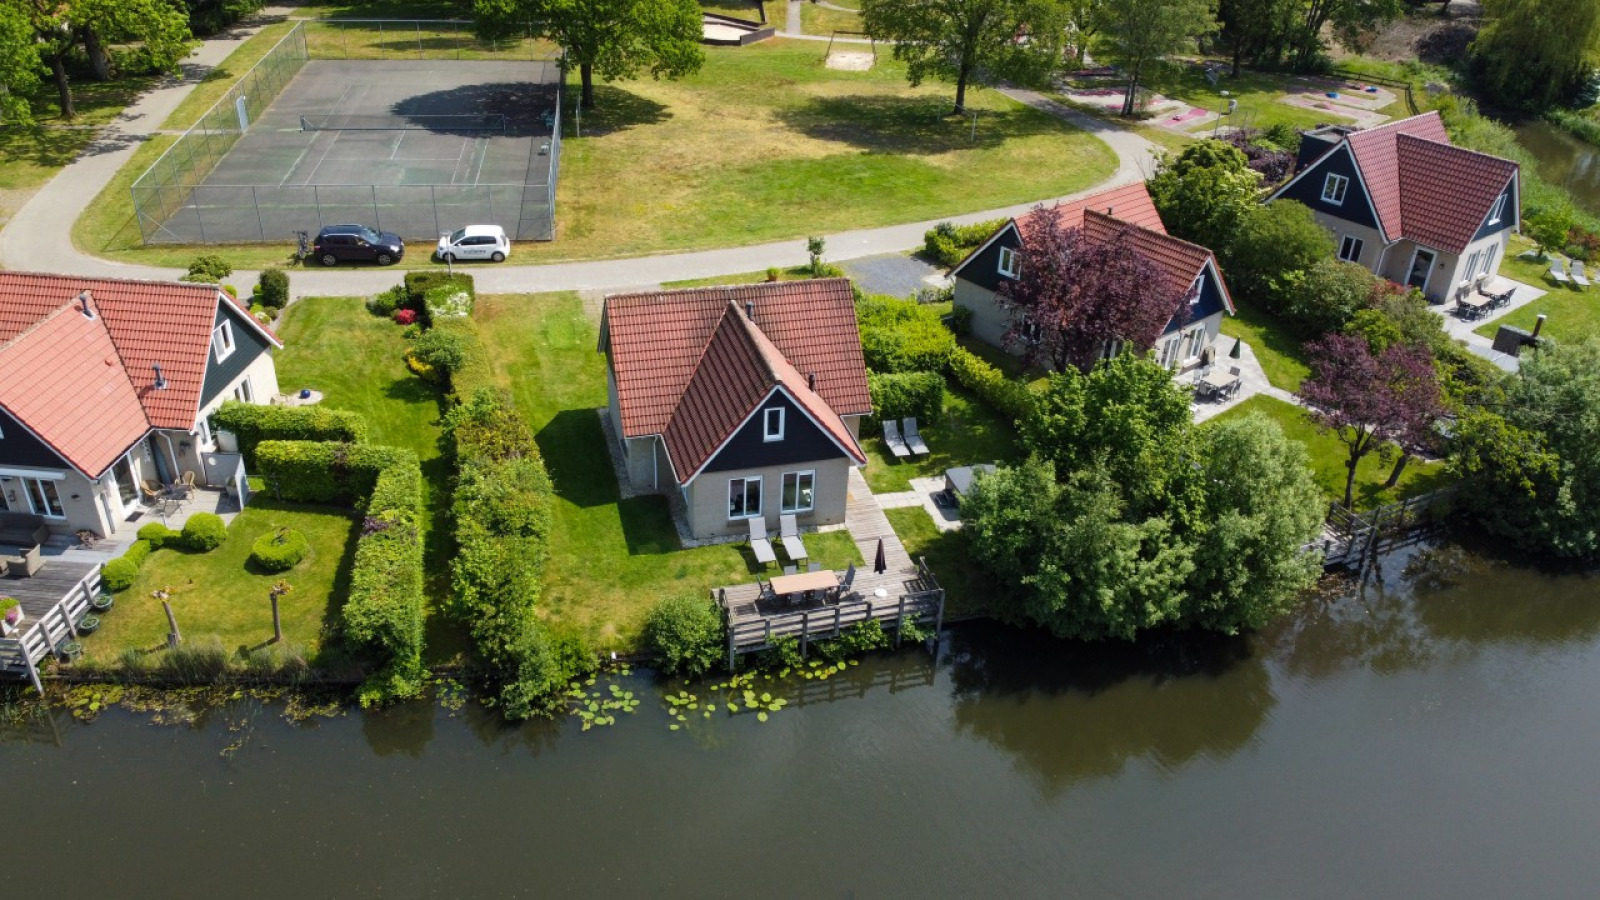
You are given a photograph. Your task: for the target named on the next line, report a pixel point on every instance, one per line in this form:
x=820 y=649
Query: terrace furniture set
x=26 y=532
x=169 y=496
x=903 y=439
x=1480 y=304
x=803 y=587
x=1218 y=386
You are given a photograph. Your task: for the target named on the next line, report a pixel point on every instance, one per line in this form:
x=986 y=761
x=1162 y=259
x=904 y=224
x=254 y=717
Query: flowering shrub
x=405 y=316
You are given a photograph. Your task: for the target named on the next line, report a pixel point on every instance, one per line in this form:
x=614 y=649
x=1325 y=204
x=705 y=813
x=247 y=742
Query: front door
x=127 y=484
x=1421 y=269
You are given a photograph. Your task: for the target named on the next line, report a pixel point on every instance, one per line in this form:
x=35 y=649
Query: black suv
x=357 y=243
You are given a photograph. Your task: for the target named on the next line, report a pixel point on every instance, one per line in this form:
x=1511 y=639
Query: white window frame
x=1008 y=262
x=1498 y=210
x=783 y=495
x=28 y=487
x=202 y=433
x=1350 y=240
x=1488 y=259
x=745 y=483
x=1470 y=270
x=768 y=433
x=243 y=393
x=1335 y=188
x=1111 y=349
x=222 y=345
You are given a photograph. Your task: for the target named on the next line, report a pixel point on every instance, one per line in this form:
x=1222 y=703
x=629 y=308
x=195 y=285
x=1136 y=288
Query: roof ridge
x=168 y=283
x=1455 y=147
x=40 y=323
x=1385 y=126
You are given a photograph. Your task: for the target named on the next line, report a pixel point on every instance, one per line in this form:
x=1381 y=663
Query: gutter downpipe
x=1383 y=255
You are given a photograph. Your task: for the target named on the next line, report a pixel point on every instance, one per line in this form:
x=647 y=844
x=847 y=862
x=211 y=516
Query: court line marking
x=483 y=147
x=325 y=151
x=396 y=148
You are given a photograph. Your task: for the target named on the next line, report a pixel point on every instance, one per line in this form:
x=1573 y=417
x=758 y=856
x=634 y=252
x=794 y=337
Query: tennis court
x=410 y=146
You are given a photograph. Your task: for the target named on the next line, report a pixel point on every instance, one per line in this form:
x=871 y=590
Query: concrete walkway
x=37 y=238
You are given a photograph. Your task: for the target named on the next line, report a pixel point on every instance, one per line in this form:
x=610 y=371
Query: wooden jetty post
x=174 y=638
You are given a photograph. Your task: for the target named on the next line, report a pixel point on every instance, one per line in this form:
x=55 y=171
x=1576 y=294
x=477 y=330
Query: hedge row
x=419 y=284
x=900 y=394
x=902 y=335
x=502 y=516
x=1011 y=398
x=203 y=533
x=950 y=243
x=251 y=424
x=473 y=373
x=383 y=612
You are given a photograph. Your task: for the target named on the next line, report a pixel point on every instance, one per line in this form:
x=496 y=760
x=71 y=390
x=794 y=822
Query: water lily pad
x=761 y=717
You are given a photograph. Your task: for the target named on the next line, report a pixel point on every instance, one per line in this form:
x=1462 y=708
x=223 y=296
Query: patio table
x=1475 y=304
x=803 y=582
x=959 y=479
x=1217 y=383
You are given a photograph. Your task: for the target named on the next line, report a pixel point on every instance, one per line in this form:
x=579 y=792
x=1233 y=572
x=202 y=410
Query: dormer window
x=772 y=424
x=1008 y=262
x=1498 y=210
x=222 y=340
x=1333 y=189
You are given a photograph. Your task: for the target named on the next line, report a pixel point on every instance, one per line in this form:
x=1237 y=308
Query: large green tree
x=1204 y=193
x=1274 y=247
x=1531 y=53
x=156 y=31
x=19 y=65
x=971 y=41
x=612 y=38
x=1140 y=34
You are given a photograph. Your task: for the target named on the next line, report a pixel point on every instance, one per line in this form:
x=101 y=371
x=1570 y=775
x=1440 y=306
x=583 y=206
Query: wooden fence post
x=174 y=637
x=805 y=632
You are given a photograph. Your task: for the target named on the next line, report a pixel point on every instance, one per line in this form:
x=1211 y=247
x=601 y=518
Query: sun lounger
x=759 y=545
x=1578 y=275
x=914 y=437
x=789 y=532
x=1558 y=271
x=891 y=436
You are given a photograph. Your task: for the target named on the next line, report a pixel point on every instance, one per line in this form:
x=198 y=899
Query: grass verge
x=949 y=558
x=1281 y=354
x=1327 y=457
x=220 y=79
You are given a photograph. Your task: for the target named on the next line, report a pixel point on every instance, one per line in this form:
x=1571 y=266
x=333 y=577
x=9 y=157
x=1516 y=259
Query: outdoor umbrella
x=1237 y=343
x=880 y=565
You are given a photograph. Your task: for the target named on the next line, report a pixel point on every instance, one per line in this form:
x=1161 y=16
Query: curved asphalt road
x=38 y=237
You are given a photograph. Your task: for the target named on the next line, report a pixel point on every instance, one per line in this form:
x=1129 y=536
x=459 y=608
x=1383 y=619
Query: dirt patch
x=850 y=61
x=1425 y=35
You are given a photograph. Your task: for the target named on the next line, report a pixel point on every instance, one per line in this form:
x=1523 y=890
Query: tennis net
x=491 y=122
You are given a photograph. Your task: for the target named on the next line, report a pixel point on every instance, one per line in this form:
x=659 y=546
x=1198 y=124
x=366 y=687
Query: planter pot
x=71 y=650
x=7 y=628
x=88 y=624
x=102 y=602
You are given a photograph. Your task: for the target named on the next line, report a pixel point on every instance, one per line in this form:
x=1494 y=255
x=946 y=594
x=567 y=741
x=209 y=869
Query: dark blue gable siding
x=1308 y=190
x=248 y=345
x=1210 y=301
x=803 y=442
x=20 y=448
x=1508 y=215
x=983 y=270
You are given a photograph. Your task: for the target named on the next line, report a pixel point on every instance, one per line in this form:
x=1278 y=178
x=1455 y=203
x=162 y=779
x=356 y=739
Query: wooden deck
x=53 y=601
x=905 y=592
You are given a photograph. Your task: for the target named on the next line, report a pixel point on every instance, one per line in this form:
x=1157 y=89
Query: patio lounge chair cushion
x=1558 y=271
x=891 y=436
x=789 y=531
x=759 y=545
x=914 y=437
x=1578 y=274
x=23 y=529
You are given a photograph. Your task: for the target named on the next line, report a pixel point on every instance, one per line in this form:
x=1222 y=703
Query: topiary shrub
x=280 y=550
x=386 y=303
x=274 y=288
x=118 y=575
x=204 y=532
x=210 y=269
x=137 y=552
x=686 y=633
x=157 y=534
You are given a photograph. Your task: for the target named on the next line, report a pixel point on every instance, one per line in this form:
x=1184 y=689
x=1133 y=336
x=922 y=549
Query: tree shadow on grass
x=616 y=110
x=44 y=147
x=574 y=449
x=647 y=525
x=912 y=126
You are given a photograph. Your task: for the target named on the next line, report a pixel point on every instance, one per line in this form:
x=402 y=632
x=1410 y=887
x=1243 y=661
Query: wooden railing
x=1411 y=100
x=1351 y=538
x=47 y=635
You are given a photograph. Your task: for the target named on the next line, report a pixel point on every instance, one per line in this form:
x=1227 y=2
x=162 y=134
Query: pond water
x=1431 y=734
x=1564 y=160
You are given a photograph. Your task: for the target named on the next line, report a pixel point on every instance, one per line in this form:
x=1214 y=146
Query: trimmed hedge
x=157 y=534
x=251 y=424
x=280 y=550
x=474 y=373
x=383 y=612
x=138 y=552
x=900 y=394
x=1012 y=399
x=204 y=532
x=950 y=243
x=273 y=288
x=119 y=574
x=902 y=335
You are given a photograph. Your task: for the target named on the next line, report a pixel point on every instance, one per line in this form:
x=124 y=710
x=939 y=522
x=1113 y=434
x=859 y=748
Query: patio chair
x=764 y=590
x=1558 y=270
x=891 y=437
x=1579 y=277
x=759 y=545
x=791 y=570
x=845 y=583
x=789 y=533
x=914 y=437
x=1503 y=299
x=814 y=567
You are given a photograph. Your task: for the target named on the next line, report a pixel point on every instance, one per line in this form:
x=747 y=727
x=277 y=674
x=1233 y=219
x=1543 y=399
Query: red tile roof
x=656 y=341
x=1424 y=188
x=1130 y=203
x=63 y=379
x=1182 y=261
x=146 y=323
x=738 y=369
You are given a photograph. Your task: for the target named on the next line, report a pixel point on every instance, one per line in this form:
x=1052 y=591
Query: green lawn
x=1572 y=314
x=610 y=559
x=949 y=558
x=220 y=594
x=821 y=20
x=970 y=433
x=1281 y=354
x=220 y=79
x=746 y=11
x=796 y=273
x=334 y=345
x=762 y=144
x=1328 y=456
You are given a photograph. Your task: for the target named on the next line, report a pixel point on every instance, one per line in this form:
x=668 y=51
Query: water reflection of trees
x=1433 y=602
x=1070 y=710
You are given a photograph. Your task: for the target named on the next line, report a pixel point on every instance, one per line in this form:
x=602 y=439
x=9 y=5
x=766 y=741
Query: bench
x=23 y=529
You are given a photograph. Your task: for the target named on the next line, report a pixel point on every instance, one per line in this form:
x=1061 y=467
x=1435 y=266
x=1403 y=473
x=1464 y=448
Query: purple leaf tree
x=1369 y=400
x=1073 y=295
